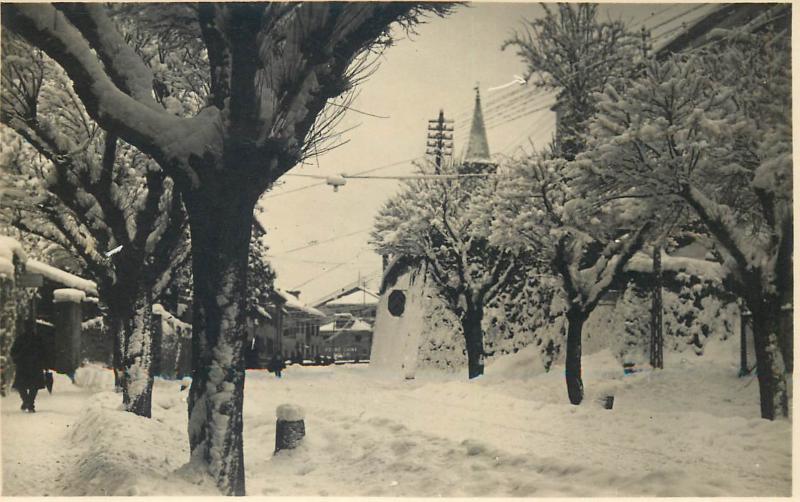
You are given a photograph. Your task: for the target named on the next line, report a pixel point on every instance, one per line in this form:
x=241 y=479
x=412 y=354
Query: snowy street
x=691 y=430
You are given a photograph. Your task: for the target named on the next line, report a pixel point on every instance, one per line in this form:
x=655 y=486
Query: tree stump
x=290 y=427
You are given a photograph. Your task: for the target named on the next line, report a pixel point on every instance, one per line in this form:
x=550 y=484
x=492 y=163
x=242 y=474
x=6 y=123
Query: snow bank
x=691 y=429
x=124 y=454
x=9 y=248
x=95 y=377
x=68 y=295
x=525 y=364
x=57 y=275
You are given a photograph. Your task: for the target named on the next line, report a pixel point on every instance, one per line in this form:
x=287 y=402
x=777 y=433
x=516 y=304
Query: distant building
x=286 y=326
x=347 y=338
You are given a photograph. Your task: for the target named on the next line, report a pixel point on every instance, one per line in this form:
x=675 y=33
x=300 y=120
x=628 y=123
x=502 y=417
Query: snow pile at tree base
x=124 y=454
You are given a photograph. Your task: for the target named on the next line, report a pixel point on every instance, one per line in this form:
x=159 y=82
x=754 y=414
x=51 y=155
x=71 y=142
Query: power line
x=317 y=243
x=523 y=99
x=305 y=187
x=523 y=109
x=520 y=115
x=325 y=272
x=527 y=134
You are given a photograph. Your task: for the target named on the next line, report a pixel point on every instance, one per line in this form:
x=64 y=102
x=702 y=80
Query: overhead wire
x=317 y=243
x=312 y=185
x=527 y=134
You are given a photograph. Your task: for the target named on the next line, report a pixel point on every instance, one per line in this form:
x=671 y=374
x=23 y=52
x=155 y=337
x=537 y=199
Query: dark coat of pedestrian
x=276 y=364
x=29 y=360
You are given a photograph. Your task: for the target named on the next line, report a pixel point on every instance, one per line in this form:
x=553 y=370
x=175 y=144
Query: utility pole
x=440 y=140
x=645 y=48
x=656 y=316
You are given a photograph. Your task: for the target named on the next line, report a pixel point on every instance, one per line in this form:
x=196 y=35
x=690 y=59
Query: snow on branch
x=167 y=138
x=125 y=67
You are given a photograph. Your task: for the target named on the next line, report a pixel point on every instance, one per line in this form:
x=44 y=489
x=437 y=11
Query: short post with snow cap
x=290 y=427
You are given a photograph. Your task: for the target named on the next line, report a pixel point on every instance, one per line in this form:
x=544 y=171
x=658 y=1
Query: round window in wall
x=397 y=303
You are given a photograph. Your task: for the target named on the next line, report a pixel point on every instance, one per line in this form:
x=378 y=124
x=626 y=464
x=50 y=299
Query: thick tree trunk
x=769 y=360
x=575 y=320
x=220 y=243
x=134 y=348
x=473 y=335
x=136 y=357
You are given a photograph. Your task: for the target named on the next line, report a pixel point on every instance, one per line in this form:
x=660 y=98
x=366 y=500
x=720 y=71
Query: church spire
x=477 y=152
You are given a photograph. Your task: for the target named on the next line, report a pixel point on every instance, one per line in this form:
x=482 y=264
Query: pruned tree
x=573 y=231
x=695 y=130
x=88 y=192
x=272 y=69
x=442 y=223
x=571 y=50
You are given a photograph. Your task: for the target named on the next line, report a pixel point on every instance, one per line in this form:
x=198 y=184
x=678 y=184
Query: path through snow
x=689 y=430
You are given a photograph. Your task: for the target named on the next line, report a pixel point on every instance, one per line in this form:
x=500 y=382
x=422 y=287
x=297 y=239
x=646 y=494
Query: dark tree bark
x=220 y=242
x=769 y=359
x=130 y=309
x=473 y=336
x=748 y=281
x=575 y=320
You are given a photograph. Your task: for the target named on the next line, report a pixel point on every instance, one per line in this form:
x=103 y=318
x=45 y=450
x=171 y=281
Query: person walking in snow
x=27 y=353
x=276 y=364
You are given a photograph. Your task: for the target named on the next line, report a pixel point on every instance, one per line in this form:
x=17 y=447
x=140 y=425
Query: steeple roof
x=477 y=145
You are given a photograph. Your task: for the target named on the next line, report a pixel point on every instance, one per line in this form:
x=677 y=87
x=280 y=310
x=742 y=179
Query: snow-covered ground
x=689 y=430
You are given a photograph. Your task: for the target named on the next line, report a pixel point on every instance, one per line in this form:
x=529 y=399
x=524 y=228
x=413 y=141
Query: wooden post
x=743 y=369
x=656 y=319
x=290 y=427
x=67 y=332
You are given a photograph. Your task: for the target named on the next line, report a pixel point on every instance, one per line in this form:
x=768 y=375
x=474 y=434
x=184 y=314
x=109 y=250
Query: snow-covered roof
x=293 y=302
x=9 y=248
x=356 y=325
x=60 y=276
x=359 y=297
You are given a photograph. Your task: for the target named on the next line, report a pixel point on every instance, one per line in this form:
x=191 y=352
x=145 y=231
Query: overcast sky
x=437 y=68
